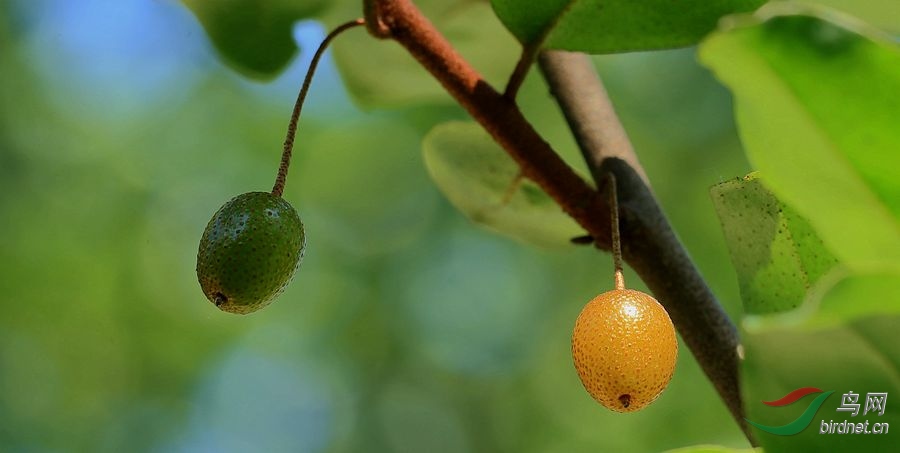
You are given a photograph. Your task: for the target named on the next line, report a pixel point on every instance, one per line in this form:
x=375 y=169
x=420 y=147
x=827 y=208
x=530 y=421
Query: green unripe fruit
x=249 y=252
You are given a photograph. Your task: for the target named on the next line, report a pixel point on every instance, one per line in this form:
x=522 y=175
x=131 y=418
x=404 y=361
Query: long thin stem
x=286 y=152
x=616 y=237
x=526 y=60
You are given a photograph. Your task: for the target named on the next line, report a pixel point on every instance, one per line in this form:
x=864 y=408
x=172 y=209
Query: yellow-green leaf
x=483 y=182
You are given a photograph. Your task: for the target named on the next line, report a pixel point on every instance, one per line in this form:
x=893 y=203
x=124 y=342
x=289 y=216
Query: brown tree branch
x=498 y=115
x=650 y=245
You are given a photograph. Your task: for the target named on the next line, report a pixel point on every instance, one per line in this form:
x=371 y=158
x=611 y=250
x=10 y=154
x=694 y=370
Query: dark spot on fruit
x=625 y=400
x=220 y=299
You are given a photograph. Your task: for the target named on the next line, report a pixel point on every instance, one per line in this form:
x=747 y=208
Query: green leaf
x=817 y=116
x=783 y=266
x=597 y=26
x=379 y=73
x=775 y=252
x=483 y=182
x=861 y=356
x=253 y=36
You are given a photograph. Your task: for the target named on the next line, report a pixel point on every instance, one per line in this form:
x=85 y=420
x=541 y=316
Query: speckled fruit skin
x=624 y=348
x=249 y=252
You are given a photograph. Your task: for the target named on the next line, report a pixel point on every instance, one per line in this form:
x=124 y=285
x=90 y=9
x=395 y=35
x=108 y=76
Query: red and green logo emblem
x=801 y=422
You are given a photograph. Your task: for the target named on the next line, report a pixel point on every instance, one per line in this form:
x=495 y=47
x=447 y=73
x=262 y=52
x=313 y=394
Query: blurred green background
x=407 y=329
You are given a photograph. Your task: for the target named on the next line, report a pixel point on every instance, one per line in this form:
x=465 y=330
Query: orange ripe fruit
x=624 y=349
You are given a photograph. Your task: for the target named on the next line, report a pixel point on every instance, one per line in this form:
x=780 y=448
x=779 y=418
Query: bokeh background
x=407 y=329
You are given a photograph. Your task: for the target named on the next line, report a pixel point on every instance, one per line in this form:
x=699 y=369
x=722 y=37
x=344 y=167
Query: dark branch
x=650 y=245
x=588 y=110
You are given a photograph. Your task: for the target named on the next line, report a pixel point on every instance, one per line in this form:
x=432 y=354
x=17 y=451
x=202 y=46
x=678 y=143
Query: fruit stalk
x=286 y=152
x=614 y=226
